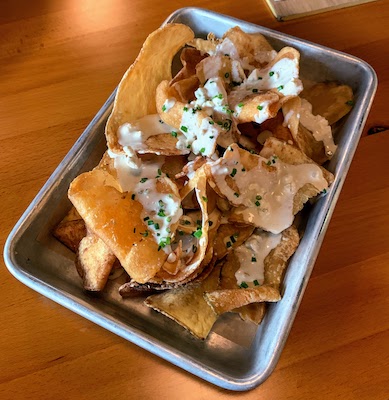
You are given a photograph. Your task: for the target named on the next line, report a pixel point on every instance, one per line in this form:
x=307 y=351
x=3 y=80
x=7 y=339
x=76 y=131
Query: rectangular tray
x=237 y=355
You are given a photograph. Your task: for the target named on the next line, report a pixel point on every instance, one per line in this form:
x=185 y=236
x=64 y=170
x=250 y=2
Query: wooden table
x=59 y=61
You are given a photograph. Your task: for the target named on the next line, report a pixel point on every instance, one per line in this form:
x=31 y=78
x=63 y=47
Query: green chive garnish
x=184 y=128
x=260 y=108
x=244 y=285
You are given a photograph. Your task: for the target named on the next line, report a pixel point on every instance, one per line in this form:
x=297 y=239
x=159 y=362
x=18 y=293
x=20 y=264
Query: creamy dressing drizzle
x=136 y=134
x=267 y=196
x=160 y=210
x=200 y=134
x=319 y=127
x=252 y=254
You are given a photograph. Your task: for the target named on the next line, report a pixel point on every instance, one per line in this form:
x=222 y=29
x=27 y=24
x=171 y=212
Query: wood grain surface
x=59 y=61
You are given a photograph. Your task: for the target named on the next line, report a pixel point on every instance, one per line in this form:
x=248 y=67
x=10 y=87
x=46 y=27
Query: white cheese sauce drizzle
x=160 y=210
x=251 y=255
x=266 y=192
x=319 y=127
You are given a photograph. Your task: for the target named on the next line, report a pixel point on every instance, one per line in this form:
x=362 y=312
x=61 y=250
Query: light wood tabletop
x=59 y=62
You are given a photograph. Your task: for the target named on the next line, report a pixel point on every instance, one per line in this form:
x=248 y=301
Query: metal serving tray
x=237 y=355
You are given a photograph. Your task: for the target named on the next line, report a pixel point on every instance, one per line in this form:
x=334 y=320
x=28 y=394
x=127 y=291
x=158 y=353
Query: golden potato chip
x=229 y=236
x=253 y=46
x=186 y=305
x=94 y=261
x=135 y=95
x=115 y=218
x=290 y=155
x=226 y=300
x=330 y=100
x=276 y=260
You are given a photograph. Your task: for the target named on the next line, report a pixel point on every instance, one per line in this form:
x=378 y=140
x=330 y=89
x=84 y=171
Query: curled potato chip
x=226 y=300
x=330 y=100
x=194 y=266
x=252 y=46
x=135 y=95
x=186 y=82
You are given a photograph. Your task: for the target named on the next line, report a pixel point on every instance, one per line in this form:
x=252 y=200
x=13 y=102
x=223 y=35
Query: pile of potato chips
x=196 y=196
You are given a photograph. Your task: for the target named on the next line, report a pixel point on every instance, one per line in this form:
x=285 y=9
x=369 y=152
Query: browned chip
x=94 y=262
x=226 y=300
x=276 y=261
x=290 y=155
x=330 y=100
x=230 y=236
x=162 y=144
x=70 y=233
x=186 y=305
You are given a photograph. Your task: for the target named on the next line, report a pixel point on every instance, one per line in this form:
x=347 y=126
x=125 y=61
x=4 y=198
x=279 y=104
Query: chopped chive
x=194 y=248
x=198 y=233
x=253 y=259
x=156 y=227
x=280 y=87
x=133 y=196
x=240 y=104
x=259 y=78
x=218 y=96
x=186 y=222
x=244 y=285
x=174 y=133
x=210 y=122
x=202 y=150
x=256 y=283
x=233 y=240
x=184 y=128
x=210 y=223
x=226 y=75
x=146 y=218
x=168 y=219
x=228 y=245
x=188 y=147
x=164 y=108
x=181 y=233
x=258 y=197
x=145 y=233
x=134 y=230
x=236 y=194
x=143 y=180
x=161 y=213
x=257 y=203
x=269 y=162
x=255 y=90
x=205 y=198
x=350 y=103
x=233 y=172
x=271 y=73
x=260 y=108
x=185 y=108
x=150 y=222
